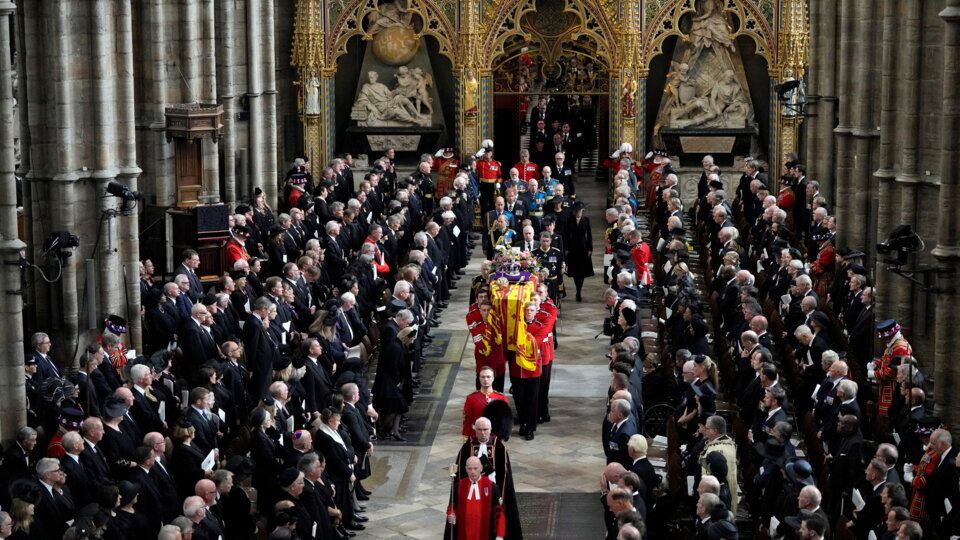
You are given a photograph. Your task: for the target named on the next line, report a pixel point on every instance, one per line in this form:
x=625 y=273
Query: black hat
x=555 y=200
x=208 y=300
x=116 y=324
x=281 y=363
x=288 y=476
x=242 y=209
x=128 y=490
x=30 y=360
x=858 y=269
x=578 y=205
x=716 y=184
x=771 y=449
x=257 y=191
x=114 y=407
x=887 y=328
x=325 y=184
x=855 y=255
x=795 y=253
x=821 y=235
x=800 y=472
x=820 y=318
x=779 y=243
x=160 y=360
x=184 y=423
x=844 y=251
x=275 y=229
x=305 y=202
x=237 y=274
x=71 y=418
x=629 y=315
x=717 y=464
x=241 y=230
x=927 y=425
x=240 y=466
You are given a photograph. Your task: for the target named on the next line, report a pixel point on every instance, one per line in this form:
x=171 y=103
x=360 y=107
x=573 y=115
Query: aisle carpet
x=561 y=515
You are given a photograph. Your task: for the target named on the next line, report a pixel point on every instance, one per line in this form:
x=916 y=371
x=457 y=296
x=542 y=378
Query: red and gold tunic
x=887 y=374
x=489 y=171
x=488 y=345
x=548 y=316
x=922 y=472
x=528 y=171
x=447 y=169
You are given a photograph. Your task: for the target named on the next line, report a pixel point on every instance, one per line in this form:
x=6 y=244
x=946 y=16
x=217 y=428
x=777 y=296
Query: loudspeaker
x=212 y=219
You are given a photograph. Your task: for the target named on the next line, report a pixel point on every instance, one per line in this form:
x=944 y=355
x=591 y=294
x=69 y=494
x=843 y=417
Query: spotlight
x=119 y=190
x=901 y=242
x=783 y=89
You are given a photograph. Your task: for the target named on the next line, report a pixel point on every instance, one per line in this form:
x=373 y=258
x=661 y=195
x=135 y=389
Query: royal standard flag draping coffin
x=508 y=301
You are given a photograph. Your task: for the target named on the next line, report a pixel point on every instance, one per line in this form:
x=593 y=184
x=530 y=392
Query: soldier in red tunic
x=488 y=345
x=475 y=512
x=895 y=348
x=547 y=314
x=489 y=172
x=476 y=402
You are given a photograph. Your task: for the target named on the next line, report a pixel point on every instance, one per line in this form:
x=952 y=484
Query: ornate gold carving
x=307 y=48
x=430 y=16
x=794 y=38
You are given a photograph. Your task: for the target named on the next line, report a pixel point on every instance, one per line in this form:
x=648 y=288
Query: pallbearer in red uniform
x=447 y=167
x=547 y=314
x=488 y=344
x=653 y=163
x=489 y=172
x=526 y=383
x=895 y=347
x=476 y=402
x=475 y=512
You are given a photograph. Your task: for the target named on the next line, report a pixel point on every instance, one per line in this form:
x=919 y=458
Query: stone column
x=826 y=108
x=208 y=94
x=103 y=63
x=165 y=182
x=255 y=140
x=888 y=139
x=845 y=185
x=226 y=55
x=129 y=175
x=13 y=405
x=811 y=143
x=269 y=149
x=908 y=134
x=860 y=206
x=947 y=252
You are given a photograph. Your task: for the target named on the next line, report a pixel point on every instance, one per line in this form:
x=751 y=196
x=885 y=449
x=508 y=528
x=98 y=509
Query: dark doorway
x=506 y=130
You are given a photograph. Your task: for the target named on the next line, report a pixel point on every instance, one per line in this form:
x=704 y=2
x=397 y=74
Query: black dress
x=339 y=467
x=263 y=451
x=186 y=468
x=116 y=445
x=387 y=396
x=578 y=241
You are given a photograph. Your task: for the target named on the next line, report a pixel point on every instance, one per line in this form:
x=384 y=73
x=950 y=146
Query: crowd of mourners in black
x=789 y=407
x=249 y=412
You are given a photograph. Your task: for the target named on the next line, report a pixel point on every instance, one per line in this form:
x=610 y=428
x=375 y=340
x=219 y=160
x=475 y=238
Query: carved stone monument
x=706 y=96
x=396 y=104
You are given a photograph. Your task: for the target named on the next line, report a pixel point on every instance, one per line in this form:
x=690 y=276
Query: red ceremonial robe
x=479 y=516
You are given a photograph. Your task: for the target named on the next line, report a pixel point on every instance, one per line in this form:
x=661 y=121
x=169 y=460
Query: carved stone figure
x=707 y=86
x=378 y=105
x=311 y=104
x=412 y=84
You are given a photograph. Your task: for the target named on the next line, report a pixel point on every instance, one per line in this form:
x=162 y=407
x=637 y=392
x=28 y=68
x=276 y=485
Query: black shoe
x=461 y=272
x=361 y=496
x=452 y=287
x=443 y=305
x=579 y=298
x=354 y=526
x=544 y=419
x=344 y=533
x=528 y=436
x=540 y=420
x=396 y=437
x=523 y=431
x=360 y=519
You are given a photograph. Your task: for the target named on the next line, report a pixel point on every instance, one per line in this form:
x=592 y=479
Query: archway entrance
x=550 y=54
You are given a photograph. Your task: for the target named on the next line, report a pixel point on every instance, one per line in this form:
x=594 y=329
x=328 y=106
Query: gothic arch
x=595 y=24
x=350 y=23
x=665 y=22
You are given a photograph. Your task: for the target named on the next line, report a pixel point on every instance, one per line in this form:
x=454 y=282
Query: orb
x=396 y=45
